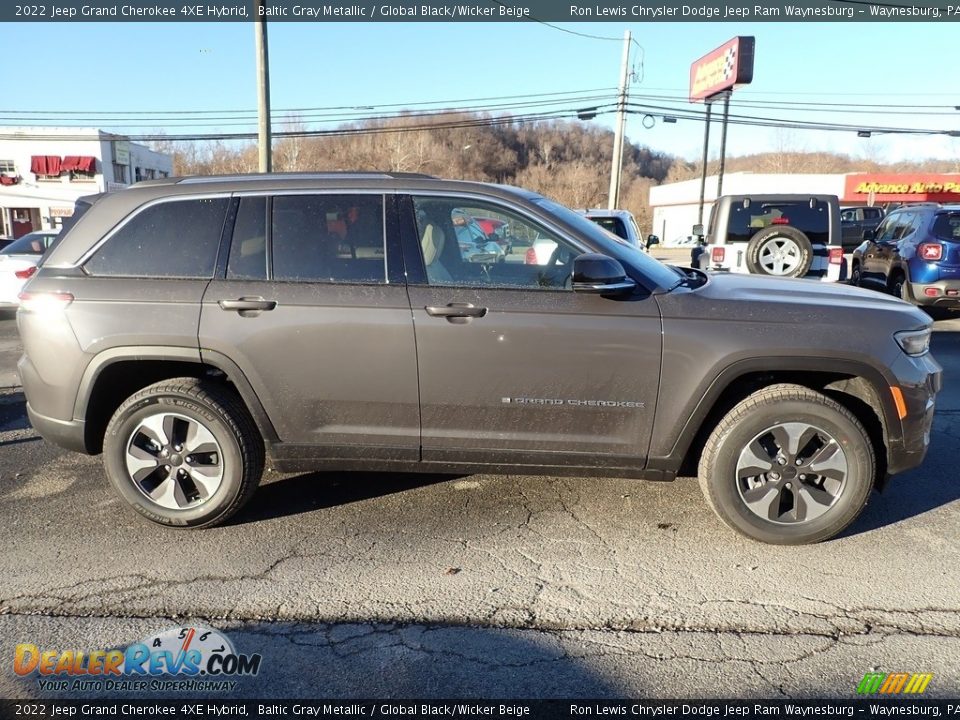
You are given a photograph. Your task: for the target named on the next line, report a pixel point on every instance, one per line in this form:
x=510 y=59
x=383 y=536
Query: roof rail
x=336 y=175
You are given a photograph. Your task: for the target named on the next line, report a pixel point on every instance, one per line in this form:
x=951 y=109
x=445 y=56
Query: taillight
x=717 y=254
x=836 y=256
x=780 y=221
x=531 y=257
x=26 y=273
x=42 y=302
x=930 y=251
x=931 y=292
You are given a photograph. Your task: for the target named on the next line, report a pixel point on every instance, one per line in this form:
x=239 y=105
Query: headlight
x=914 y=342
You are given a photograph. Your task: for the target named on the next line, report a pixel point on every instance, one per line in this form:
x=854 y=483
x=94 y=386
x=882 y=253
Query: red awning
x=45 y=164
x=79 y=163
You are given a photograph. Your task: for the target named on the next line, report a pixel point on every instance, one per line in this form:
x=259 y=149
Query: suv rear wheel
x=184 y=453
x=788 y=466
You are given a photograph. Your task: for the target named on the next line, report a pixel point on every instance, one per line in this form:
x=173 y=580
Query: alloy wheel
x=174 y=460
x=791 y=473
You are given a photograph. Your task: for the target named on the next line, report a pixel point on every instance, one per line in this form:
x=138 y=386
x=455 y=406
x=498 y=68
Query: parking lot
x=375 y=585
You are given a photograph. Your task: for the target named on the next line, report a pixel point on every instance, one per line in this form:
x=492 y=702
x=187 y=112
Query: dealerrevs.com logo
x=193 y=658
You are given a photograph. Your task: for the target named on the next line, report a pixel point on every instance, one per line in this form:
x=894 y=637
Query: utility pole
x=263 y=87
x=614 y=196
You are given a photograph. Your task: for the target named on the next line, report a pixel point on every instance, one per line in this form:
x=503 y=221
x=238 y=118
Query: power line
x=759 y=121
x=119 y=113
x=328 y=118
x=569 y=113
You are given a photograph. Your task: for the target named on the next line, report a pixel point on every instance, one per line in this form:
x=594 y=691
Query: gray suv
x=190 y=328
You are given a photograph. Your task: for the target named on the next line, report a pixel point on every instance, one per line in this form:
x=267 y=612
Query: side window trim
x=226 y=240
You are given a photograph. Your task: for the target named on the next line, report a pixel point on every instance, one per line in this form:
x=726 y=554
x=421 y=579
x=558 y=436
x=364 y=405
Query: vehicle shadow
x=319 y=490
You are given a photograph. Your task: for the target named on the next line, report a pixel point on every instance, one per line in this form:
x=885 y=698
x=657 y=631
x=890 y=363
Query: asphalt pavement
x=401 y=586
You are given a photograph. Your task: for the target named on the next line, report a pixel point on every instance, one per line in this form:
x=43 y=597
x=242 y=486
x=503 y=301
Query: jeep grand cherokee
x=190 y=328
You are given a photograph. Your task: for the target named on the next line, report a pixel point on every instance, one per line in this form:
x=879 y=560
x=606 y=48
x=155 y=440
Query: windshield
x=658 y=273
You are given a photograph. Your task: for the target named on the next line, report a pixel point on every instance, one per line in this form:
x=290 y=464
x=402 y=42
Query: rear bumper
x=948 y=293
x=67 y=434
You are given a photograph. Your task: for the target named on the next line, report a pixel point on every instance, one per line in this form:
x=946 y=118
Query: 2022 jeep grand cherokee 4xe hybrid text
x=190 y=328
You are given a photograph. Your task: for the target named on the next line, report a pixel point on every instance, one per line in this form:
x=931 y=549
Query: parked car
x=914 y=254
x=854 y=221
x=18 y=263
x=189 y=328
x=619 y=222
x=4 y=241
x=475 y=245
x=498 y=231
x=779 y=235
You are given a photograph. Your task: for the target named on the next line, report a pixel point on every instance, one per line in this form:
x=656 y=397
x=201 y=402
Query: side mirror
x=600 y=275
x=869 y=235
x=698 y=230
x=652 y=240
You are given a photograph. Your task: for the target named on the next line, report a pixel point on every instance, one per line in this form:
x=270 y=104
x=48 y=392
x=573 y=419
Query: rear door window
x=812 y=219
x=328 y=238
x=178 y=238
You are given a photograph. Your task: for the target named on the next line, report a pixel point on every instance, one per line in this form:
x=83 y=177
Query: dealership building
x=43 y=171
x=675 y=206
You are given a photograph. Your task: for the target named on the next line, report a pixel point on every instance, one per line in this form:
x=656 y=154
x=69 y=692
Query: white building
x=675 y=206
x=43 y=170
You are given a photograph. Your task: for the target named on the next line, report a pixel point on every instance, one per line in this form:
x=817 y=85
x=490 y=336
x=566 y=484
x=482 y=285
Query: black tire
x=897 y=285
x=856 y=279
x=746 y=425
x=768 y=238
x=217 y=409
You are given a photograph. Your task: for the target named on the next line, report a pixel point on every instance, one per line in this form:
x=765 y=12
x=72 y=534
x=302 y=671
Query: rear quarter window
x=947 y=226
x=178 y=238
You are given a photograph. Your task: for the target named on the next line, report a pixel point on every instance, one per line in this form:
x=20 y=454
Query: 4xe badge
x=200 y=658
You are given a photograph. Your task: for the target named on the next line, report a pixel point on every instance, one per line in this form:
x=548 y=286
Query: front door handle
x=457 y=312
x=247 y=304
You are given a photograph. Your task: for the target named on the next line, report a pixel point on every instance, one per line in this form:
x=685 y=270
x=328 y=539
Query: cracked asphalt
x=397 y=586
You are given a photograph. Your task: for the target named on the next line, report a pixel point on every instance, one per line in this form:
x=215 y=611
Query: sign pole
x=723 y=141
x=703 y=162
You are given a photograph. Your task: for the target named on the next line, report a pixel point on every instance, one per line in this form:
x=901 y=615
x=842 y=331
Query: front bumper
x=919 y=380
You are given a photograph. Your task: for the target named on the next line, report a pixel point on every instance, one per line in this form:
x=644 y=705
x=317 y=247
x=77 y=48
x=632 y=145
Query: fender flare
x=878 y=380
x=209 y=359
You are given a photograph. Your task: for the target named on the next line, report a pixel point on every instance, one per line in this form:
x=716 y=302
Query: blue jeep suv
x=913 y=254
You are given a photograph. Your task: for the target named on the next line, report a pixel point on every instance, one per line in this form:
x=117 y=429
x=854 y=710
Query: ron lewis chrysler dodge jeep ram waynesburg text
x=190 y=328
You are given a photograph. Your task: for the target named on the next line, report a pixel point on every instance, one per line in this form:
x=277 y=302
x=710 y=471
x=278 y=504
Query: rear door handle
x=457 y=312
x=248 y=304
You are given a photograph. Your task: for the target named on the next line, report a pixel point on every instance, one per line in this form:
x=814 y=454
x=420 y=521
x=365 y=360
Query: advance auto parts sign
x=911 y=187
x=725 y=68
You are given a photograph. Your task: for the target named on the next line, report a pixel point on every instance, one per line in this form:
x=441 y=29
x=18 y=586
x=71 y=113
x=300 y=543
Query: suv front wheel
x=184 y=453
x=788 y=466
